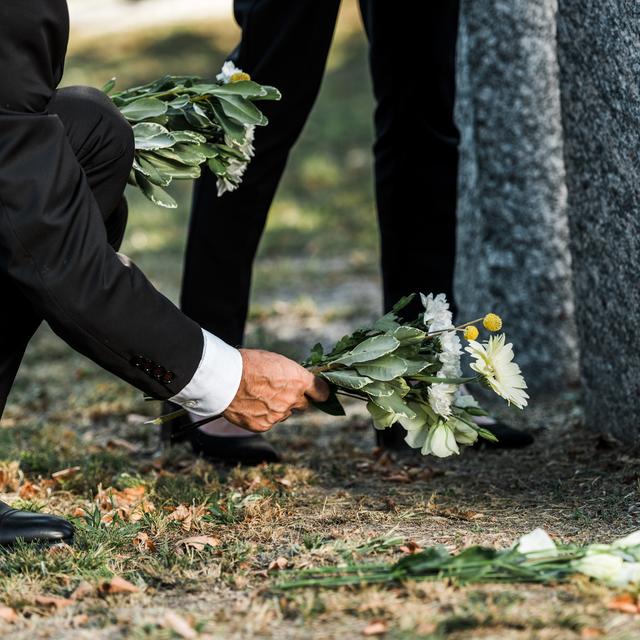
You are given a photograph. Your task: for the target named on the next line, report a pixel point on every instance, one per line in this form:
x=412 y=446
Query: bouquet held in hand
x=411 y=373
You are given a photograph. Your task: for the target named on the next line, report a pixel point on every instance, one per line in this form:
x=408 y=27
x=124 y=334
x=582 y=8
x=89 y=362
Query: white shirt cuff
x=216 y=381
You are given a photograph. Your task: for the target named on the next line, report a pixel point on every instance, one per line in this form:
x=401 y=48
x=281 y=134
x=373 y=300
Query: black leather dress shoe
x=508 y=438
x=249 y=450
x=32 y=527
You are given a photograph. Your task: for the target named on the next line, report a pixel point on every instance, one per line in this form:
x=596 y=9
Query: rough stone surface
x=513 y=229
x=599 y=55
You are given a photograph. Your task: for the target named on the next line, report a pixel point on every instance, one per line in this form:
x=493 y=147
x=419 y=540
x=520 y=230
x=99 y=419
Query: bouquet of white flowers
x=411 y=373
x=182 y=122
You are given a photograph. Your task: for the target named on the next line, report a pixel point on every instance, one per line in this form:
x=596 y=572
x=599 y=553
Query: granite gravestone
x=513 y=229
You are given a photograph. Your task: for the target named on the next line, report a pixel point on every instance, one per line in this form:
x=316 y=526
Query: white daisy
x=494 y=361
x=229 y=69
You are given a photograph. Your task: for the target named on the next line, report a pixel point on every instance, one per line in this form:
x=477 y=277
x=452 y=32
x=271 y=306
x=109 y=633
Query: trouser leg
x=285 y=44
x=103 y=143
x=416 y=149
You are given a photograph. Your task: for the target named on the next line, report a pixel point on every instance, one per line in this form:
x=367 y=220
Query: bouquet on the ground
x=534 y=558
x=181 y=123
x=411 y=373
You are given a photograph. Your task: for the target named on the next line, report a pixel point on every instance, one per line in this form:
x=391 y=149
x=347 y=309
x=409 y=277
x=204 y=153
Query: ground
x=334 y=496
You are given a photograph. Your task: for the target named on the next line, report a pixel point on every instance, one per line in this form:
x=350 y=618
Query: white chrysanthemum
x=441 y=398
x=437 y=315
x=494 y=361
x=229 y=69
x=236 y=168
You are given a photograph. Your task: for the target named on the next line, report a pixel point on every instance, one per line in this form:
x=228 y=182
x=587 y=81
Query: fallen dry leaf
x=10 y=476
x=187 y=515
x=8 y=615
x=375 y=628
x=129 y=505
x=591 y=632
x=278 y=564
x=625 y=603
x=118 y=585
x=179 y=625
x=29 y=490
x=120 y=443
x=78 y=512
x=82 y=591
x=54 y=602
x=65 y=473
x=198 y=542
x=411 y=547
x=144 y=543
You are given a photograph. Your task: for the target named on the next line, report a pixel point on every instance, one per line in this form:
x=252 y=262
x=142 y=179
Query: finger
x=302 y=404
x=318 y=390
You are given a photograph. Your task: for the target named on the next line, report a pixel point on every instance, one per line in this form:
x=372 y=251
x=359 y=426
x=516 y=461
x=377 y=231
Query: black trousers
x=285 y=43
x=103 y=144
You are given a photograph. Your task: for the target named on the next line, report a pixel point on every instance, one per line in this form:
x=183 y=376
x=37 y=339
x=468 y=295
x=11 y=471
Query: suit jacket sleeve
x=53 y=244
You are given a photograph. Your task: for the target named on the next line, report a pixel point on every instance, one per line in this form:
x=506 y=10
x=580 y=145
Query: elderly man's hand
x=271 y=389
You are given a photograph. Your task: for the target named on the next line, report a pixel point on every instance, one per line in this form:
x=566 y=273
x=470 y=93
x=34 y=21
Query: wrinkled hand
x=271 y=389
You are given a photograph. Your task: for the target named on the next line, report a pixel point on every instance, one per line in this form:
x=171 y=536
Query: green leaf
x=182 y=153
x=383 y=369
x=386 y=323
x=415 y=366
x=242 y=110
x=151 y=172
x=402 y=303
x=244 y=89
x=409 y=335
x=347 y=379
x=394 y=404
x=234 y=130
x=156 y=194
x=316 y=354
x=370 y=349
x=189 y=136
x=437 y=380
x=332 y=405
x=379 y=389
x=151 y=136
x=382 y=419
x=271 y=93
x=218 y=167
x=176 y=171
x=143 y=109
x=109 y=86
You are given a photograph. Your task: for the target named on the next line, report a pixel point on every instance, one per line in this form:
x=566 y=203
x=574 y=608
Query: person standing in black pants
x=285 y=43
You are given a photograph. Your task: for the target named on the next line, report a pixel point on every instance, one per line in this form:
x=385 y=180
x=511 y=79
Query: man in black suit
x=64 y=160
x=412 y=56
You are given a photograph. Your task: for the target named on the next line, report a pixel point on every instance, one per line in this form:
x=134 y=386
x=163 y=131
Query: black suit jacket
x=53 y=244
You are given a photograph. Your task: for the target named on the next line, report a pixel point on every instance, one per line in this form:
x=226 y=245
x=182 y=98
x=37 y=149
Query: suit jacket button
x=159 y=372
x=137 y=361
x=168 y=377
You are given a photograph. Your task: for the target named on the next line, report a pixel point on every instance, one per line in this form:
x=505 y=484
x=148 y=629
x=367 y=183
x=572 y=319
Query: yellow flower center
x=492 y=322
x=239 y=76
x=471 y=333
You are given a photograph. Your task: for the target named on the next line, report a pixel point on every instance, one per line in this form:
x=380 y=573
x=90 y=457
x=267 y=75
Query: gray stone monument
x=513 y=229
x=599 y=55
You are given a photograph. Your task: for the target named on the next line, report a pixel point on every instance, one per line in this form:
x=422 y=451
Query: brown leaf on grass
x=82 y=591
x=143 y=543
x=198 y=543
x=591 y=632
x=60 y=549
x=29 y=490
x=120 y=443
x=411 y=547
x=278 y=564
x=10 y=476
x=53 y=602
x=129 y=505
x=63 y=474
x=118 y=585
x=187 y=515
x=625 y=603
x=8 y=615
x=179 y=625
x=398 y=476
x=375 y=628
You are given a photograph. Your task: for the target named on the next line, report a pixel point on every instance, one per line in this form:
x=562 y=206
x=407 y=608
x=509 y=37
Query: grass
x=335 y=497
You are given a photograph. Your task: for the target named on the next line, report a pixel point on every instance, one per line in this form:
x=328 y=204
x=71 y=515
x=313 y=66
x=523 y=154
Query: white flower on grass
x=607 y=567
x=494 y=361
x=537 y=542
